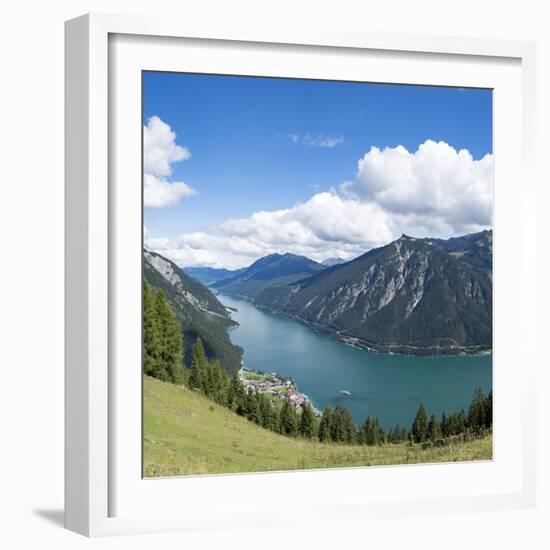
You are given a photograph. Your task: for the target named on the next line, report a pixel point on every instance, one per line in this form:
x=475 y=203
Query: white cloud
x=435 y=191
x=436 y=188
x=325 y=226
x=318 y=140
x=159 y=193
x=160 y=151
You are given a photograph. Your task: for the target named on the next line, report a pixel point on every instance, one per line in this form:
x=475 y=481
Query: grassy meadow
x=188 y=434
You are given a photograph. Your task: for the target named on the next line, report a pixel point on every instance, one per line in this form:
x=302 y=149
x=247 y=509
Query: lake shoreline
x=276 y=384
x=388 y=386
x=370 y=347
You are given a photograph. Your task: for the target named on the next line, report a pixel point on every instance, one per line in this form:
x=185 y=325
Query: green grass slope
x=187 y=434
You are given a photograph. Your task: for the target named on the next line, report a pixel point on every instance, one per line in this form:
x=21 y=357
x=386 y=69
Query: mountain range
x=413 y=296
x=209 y=275
x=270 y=271
x=417 y=296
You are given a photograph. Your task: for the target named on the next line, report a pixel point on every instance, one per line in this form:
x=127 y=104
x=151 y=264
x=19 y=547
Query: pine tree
x=434 y=429
x=444 y=425
x=268 y=415
x=173 y=353
x=151 y=334
x=420 y=425
x=218 y=381
x=288 y=421
x=397 y=435
x=460 y=423
x=373 y=435
x=325 y=426
x=477 y=411
x=307 y=421
x=337 y=429
x=199 y=367
x=235 y=394
x=350 y=429
x=163 y=317
x=489 y=410
x=359 y=436
x=342 y=429
x=253 y=408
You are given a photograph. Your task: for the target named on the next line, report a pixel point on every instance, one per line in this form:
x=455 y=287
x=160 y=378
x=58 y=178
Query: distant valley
x=412 y=296
x=275 y=270
x=209 y=275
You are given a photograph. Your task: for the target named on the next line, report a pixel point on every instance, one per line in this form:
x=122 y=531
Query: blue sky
x=266 y=144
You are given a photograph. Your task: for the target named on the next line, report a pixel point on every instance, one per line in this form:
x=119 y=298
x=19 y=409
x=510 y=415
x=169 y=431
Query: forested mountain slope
x=269 y=271
x=198 y=310
x=420 y=296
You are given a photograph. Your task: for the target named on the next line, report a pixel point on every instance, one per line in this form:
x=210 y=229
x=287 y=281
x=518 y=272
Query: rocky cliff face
x=421 y=296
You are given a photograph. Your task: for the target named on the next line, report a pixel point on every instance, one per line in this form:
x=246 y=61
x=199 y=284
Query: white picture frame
x=105 y=493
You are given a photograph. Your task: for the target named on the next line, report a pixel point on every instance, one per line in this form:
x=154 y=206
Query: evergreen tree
x=444 y=425
x=372 y=431
x=173 y=353
x=235 y=392
x=394 y=435
x=253 y=408
x=337 y=428
x=398 y=434
x=267 y=413
x=489 y=410
x=420 y=425
x=325 y=426
x=168 y=347
x=288 y=421
x=349 y=427
x=218 y=382
x=434 y=429
x=198 y=376
x=307 y=421
x=460 y=423
x=342 y=429
x=477 y=411
x=359 y=437
x=151 y=334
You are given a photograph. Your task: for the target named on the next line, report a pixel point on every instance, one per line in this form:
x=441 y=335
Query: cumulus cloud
x=160 y=151
x=159 y=193
x=324 y=226
x=318 y=140
x=436 y=191
x=436 y=187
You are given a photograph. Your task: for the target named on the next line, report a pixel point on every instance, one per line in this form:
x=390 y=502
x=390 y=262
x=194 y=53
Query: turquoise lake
x=387 y=386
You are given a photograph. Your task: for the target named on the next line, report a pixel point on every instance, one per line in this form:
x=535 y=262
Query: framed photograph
x=297 y=268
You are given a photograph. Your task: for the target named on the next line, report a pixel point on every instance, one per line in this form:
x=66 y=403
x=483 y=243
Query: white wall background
x=31 y=271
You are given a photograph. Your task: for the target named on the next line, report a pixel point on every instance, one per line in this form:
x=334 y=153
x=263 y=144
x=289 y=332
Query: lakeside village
x=276 y=384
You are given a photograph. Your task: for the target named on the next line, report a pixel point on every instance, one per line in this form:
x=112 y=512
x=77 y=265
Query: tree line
x=163 y=359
